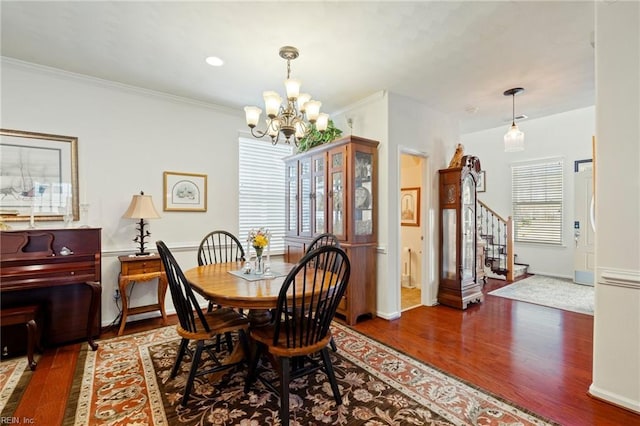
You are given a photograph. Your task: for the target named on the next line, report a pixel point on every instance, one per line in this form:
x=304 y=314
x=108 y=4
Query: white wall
x=400 y=123
x=616 y=338
x=126 y=139
x=567 y=135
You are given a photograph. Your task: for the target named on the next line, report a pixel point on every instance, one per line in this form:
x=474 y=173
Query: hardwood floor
x=539 y=358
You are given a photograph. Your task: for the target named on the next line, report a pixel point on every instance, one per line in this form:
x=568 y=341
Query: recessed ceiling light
x=214 y=61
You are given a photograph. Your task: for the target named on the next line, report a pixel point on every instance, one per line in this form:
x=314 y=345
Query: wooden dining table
x=258 y=295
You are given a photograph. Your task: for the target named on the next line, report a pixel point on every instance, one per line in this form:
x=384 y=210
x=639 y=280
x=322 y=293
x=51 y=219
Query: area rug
x=15 y=375
x=127 y=382
x=553 y=292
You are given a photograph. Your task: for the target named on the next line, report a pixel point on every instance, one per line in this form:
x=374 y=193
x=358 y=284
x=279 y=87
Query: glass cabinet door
x=291 y=194
x=468 y=230
x=319 y=195
x=449 y=241
x=337 y=195
x=305 y=197
x=363 y=193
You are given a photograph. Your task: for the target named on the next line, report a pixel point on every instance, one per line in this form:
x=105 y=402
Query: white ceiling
x=452 y=56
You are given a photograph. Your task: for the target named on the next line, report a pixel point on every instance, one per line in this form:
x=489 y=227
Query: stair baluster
x=498 y=233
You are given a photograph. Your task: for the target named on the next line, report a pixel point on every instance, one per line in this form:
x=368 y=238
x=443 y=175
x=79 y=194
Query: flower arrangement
x=259 y=239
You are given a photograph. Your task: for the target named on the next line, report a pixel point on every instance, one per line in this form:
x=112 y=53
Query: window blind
x=537 y=197
x=262 y=190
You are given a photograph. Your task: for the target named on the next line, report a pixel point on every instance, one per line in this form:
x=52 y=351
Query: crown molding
x=100 y=82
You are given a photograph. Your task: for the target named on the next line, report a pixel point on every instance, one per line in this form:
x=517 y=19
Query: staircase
x=497 y=232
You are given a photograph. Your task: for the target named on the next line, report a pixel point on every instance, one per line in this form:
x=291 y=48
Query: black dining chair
x=220 y=247
x=326 y=239
x=196 y=326
x=306 y=306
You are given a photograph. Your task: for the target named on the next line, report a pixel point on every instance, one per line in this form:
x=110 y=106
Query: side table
x=141 y=269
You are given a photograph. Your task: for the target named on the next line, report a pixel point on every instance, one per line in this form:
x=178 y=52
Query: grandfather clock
x=458 y=234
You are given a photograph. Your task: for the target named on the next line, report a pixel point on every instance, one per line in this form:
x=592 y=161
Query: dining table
x=227 y=284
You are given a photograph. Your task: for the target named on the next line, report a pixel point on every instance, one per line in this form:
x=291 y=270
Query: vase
x=259 y=267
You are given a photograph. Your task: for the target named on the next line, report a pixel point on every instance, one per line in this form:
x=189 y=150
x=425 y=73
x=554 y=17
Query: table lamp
x=142 y=208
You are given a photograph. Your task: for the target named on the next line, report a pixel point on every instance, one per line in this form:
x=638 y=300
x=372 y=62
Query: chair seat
x=265 y=335
x=223 y=320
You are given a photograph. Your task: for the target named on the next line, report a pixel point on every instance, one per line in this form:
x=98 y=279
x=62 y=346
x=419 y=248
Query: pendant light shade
x=514 y=138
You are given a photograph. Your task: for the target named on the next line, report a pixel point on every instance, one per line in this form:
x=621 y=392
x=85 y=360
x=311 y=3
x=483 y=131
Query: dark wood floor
x=538 y=357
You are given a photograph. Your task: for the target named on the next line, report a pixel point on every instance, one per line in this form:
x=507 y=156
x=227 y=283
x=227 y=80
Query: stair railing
x=498 y=233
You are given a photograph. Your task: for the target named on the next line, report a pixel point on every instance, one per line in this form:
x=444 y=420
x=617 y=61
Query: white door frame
x=426 y=259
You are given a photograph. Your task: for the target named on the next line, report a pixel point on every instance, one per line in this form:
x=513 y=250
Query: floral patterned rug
x=14 y=378
x=127 y=382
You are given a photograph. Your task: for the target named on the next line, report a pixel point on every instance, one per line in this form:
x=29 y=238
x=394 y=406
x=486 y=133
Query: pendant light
x=514 y=138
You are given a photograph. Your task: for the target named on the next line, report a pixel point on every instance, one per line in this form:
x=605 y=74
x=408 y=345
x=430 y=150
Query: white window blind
x=262 y=190
x=537 y=197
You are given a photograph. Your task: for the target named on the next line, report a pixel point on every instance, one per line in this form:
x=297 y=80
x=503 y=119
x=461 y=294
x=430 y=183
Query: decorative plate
x=363 y=198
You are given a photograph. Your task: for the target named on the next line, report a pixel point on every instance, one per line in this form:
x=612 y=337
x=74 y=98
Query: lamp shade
x=141 y=207
x=514 y=139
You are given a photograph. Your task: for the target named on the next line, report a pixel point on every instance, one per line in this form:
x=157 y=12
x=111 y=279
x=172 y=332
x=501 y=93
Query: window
x=262 y=189
x=536 y=193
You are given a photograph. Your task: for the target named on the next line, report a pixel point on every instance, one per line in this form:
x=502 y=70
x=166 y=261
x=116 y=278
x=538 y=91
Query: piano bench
x=24 y=315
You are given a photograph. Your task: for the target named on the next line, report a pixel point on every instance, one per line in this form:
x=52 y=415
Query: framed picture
x=39 y=176
x=481 y=186
x=410 y=206
x=185 y=192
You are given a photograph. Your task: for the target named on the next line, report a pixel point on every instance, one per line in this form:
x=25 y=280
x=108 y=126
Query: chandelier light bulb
x=293 y=88
x=272 y=103
x=273 y=127
x=252 y=115
x=313 y=110
x=300 y=129
x=322 y=122
x=303 y=98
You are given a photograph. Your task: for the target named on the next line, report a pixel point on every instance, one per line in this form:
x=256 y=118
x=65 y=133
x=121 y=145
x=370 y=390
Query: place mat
x=275 y=273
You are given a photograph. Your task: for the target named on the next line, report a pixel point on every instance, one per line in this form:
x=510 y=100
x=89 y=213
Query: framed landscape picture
x=185 y=192
x=39 y=179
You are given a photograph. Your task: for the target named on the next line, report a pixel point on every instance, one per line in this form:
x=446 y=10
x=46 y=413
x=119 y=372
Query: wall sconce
x=514 y=138
x=142 y=208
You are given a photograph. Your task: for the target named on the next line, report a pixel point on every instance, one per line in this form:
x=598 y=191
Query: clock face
x=451 y=194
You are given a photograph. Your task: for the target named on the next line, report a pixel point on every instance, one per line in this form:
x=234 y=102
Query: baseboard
x=614 y=399
x=388 y=316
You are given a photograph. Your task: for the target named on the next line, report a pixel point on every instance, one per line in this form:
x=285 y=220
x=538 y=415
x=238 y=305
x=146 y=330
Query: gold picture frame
x=184 y=192
x=39 y=176
x=410 y=206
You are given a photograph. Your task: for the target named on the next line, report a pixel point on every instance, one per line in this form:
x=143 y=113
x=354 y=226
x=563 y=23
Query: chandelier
x=294 y=119
x=514 y=138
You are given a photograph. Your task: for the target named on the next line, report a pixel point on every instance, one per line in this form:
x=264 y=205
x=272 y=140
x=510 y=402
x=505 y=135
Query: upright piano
x=59 y=270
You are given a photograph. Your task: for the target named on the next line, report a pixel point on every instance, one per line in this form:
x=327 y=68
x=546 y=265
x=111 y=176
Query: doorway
x=583 y=225
x=411 y=230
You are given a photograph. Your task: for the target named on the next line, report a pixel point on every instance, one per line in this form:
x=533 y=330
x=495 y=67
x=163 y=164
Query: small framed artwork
x=39 y=176
x=481 y=186
x=185 y=192
x=410 y=206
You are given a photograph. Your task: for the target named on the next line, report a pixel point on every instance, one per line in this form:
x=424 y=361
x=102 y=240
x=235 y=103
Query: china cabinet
x=459 y=284
x=332 y=188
